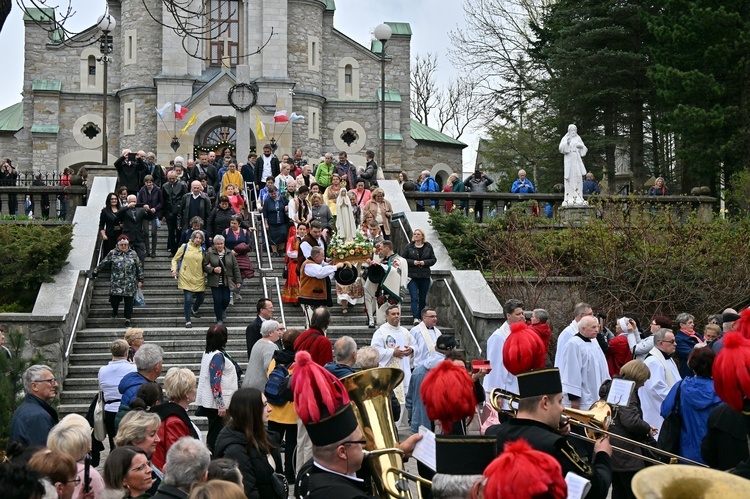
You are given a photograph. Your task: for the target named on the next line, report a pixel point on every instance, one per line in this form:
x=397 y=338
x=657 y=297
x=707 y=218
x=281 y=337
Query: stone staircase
x=163 y=323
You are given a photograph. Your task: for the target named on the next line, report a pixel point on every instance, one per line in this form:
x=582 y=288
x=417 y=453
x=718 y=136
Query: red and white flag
x=180 y=111
x=280 y=116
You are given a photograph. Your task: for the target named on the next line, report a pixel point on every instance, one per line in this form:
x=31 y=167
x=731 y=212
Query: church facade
x=305 y=66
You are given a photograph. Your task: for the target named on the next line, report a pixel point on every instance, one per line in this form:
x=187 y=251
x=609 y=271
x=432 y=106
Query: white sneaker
x=231 y=300
x=416 y=322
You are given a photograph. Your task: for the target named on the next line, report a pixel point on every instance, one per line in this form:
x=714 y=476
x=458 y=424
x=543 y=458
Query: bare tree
x=459 y=107
x=495 y=44
x=424 y=91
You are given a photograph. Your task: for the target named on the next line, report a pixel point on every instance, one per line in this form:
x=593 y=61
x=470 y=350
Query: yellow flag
x=190 y=123
x=260 y=128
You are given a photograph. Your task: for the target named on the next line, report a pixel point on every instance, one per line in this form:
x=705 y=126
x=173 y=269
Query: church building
x=252 y=62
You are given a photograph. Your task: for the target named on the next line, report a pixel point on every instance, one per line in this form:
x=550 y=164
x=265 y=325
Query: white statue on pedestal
x=572 y=147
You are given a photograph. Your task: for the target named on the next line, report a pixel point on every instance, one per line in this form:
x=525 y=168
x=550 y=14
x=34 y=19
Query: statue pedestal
x=576 y=214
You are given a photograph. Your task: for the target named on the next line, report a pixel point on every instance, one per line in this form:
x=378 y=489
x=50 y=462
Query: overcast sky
x=430 y=21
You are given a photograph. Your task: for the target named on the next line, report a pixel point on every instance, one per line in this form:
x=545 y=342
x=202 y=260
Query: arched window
x=348 y=78
x=92 y=71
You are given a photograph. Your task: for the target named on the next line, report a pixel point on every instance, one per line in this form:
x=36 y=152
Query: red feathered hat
x=743 y=323
x=448 y=394
x=731 y=370
x=523 y=350
x=321 y=402
x=521 y=472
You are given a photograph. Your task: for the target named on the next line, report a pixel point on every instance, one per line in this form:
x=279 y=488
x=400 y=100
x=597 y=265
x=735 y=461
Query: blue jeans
x=221 y=301
x=189 y=305
x=418 y=287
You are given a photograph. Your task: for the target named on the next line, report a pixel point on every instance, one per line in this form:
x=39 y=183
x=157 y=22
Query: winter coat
x=697 y=400
x=315 y=341
x=172 y=198
x=175 y=424
x=129 y=386
x=126 y=271
x=218 y=220
x=153 y=199
x=231 y=269
x=204 y=209
x=411 y=254
x=129 y=174
x=725 y=443
x=32 y=421
x=257 y=472
x=628 y=422
x=190 y=275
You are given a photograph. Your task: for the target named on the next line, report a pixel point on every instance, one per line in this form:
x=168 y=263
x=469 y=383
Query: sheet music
x=578 y=486
x=620 y=391
x=424 y=451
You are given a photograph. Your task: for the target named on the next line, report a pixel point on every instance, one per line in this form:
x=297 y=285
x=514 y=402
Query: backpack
x=279 y=386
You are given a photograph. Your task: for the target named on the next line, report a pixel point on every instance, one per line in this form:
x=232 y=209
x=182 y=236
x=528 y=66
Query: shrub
x=647 y=263
x=31 y=254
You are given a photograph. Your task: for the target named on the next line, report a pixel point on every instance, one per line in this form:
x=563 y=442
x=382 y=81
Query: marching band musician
x=539 y=413
x=322 y=404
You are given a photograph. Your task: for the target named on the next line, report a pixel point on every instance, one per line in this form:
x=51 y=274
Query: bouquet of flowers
x=359 y=249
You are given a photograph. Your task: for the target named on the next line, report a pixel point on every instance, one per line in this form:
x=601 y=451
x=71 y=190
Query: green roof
x=400 y=28
x=39 y=15
x=390 y=96
x=45 y=129
x=393 y=136
x=420 y=132
x=46 y=85
x=11 y=118
x=330 y=5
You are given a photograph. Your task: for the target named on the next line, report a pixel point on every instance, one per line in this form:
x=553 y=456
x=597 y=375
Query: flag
x=260 y=128
x=190 y=122
x=180 y=111
x=296 y=117
x=280 y=116
x=163 y=110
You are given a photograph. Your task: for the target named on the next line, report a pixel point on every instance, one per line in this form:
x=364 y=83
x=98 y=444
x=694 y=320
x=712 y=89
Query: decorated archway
x=216 y=134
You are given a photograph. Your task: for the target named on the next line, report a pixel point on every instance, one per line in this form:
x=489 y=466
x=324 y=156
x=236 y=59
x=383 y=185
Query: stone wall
x=428 y=154
x=305 y=22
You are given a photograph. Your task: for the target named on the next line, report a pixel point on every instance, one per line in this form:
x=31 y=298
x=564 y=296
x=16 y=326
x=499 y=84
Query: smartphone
x=87 y=474
x=131 y=156
x=476 y=365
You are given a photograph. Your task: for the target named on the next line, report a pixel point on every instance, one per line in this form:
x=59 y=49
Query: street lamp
x=106 y=24
x=382 y=32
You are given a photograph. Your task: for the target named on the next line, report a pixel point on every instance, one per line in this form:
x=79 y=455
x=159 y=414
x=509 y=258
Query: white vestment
x=664 y=374
x=584 y=369
x=424 y=346
x=562 y=340
x=385 y=340
x=346 y=229
x=499 y=377
x=572 y=147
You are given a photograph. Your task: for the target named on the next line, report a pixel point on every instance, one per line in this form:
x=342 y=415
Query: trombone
x=595 y=422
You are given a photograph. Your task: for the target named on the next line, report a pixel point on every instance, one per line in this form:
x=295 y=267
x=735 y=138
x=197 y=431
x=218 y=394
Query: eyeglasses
x=76 y=480
x=355 y=442
x=142 y=467
x=430 y=316
x=671 y=342
x=51 y=381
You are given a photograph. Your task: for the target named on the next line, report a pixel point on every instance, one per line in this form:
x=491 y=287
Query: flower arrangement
x=358 y=249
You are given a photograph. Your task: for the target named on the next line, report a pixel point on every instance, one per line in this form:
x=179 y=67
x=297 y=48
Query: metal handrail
x=460 y=311
x=74 y=326
x=403 y=229
x=255 y=239
x=265 y=286
x=281 y=302
x=266 y=241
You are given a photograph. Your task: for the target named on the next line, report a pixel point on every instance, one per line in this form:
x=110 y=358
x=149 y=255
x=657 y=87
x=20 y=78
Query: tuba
x=370 y=391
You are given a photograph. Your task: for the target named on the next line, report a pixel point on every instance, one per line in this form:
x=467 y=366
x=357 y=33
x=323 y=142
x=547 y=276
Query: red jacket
x=544 y=332
x=170 y=431
x=619 y=354
x=315 y=342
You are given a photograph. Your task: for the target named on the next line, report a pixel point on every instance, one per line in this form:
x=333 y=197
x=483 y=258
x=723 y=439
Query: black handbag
x=280 y=486
x=671 y=428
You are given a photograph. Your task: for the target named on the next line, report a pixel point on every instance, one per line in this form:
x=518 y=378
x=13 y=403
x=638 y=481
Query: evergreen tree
x=701 y=74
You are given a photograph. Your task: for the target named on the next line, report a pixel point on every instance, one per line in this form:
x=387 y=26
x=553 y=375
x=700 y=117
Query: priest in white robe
x=499 y=377
x=395 y=347
x=581 y=310
x=664 y=374
x=425 y=334
x=584 y=366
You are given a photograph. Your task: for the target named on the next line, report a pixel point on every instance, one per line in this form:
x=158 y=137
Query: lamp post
x=107 y=24
x=382 y=32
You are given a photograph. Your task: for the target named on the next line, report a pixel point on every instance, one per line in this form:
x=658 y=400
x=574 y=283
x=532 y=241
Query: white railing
x=461 y=313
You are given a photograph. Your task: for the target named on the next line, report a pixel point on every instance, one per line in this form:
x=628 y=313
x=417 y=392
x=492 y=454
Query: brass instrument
x=370 y=393
x=595 y=422
x=680 y=481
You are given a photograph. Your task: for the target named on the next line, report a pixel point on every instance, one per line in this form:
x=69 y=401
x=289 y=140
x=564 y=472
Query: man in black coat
x=130 y=171
x=172 y=194
x=267 y=165
x=206 y=168
x=264 y=308
x=194 y=204
x=537 y=421
x=132 y=217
